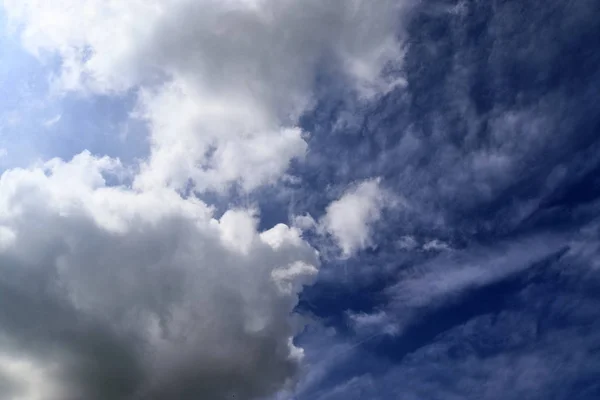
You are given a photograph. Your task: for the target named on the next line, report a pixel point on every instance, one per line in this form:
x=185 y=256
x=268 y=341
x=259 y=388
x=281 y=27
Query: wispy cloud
x=52 y=121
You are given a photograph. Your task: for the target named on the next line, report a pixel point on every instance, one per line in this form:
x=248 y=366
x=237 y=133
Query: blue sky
x=277 y=200
x=39 y=123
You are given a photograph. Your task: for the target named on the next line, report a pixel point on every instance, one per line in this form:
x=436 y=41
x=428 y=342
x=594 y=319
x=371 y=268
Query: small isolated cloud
x=349 y=219
x=52 y=121
x=436 y=245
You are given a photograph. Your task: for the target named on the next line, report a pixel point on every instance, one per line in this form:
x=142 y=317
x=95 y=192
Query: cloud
x=121 y=294
x=22 y=379
x=427 y=298
x=181 y=298
x=494 y=127
x=378 y=323
x=144 y=291
x=305 y=222
x=451 y=368
x=490 y=117
x=349 y=219
x=436 y=245
x=445 y=279
x=52 y=121
x=517 y=321
x=221 y=84
x=407 y=243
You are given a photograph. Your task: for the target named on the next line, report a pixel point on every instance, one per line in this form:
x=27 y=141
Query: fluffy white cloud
x=112 y=293
x=223 y=82
x=349 y=218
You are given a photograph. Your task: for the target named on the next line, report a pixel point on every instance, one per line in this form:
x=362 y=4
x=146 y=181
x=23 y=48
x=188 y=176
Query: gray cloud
x=109 y=293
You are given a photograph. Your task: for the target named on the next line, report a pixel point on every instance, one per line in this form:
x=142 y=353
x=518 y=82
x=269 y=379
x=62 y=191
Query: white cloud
x=349 y=218
x=52 y=121
x=222 y=82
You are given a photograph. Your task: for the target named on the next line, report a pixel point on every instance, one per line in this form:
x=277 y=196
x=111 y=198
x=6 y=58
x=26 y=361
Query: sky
x=299 y=199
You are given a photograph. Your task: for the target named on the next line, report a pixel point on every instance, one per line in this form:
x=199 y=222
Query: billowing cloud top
x=123 y=294
x=239 y=73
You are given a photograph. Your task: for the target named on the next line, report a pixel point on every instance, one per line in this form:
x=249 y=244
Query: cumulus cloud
x=112 y=293
x=348 y=220
x=223 y=82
